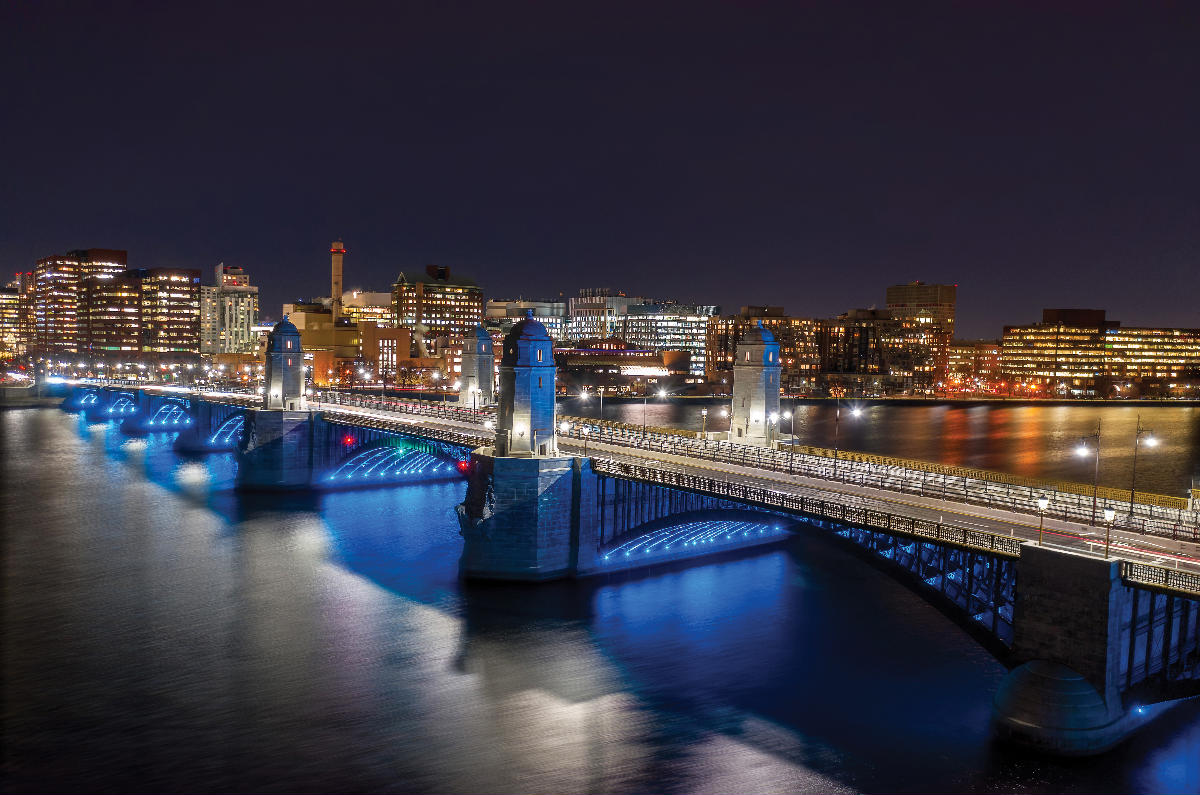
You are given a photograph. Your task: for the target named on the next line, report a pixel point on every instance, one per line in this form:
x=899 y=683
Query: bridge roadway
x=464 y=426
x=1181 y=555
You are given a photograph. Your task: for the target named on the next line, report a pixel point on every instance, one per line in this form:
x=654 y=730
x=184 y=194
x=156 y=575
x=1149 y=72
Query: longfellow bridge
x=1101 y=625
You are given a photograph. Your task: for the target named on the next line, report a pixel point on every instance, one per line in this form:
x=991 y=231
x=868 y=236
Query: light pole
x=704 y=424
x=772 y=422
x=791 y=437
x=662 y=393
x=837 y=421
x=1109 y=513
x=1082 y=450
x=1043 y=504
x=586 y=432
x=1137 y=439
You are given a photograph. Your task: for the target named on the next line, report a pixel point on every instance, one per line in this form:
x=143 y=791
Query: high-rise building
x=110 y=313
x=10 y=321
x=228 y=312
x=26 y=286
x=668 y=327
x=797 y=338
x=170 y=309
x=56 y=305
x=445 y=304
x=873 y=352
x=932 y=305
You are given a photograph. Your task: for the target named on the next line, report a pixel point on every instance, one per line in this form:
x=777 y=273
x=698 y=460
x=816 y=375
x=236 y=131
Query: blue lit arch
x=230 y=432
x=396 y=460
x=170 y=415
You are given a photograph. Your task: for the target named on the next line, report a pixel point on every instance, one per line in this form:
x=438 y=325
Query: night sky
x=799 y=154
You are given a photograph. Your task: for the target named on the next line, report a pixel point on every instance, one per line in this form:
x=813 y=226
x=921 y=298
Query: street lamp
x=586 y=432
x=791 y=437
x=772 y=422
x=1109 y=513
x=704 y=424
x=1082 y=451
x=855 y=411
x=1043 y=503
x=662 y=393
x=1137 y=440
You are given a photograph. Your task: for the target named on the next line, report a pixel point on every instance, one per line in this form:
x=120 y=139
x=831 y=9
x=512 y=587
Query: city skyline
x=1035 y=157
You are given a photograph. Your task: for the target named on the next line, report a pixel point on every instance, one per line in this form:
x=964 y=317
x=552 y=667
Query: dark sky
x=1037 y=154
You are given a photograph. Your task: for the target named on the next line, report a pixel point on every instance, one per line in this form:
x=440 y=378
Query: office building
x=669 y=327
x=596 y=312
x=620 y=368
x=170 y=309
x=1082 y=352
x=797 y=338
x=931 y=305
x=10 y=322
x=110 y=313
x=502 y=314
x=58 y=280
x=436 y=303
x=228 y=312
x=362 y=306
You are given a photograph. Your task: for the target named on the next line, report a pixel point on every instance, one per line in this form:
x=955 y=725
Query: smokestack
x=337 y=251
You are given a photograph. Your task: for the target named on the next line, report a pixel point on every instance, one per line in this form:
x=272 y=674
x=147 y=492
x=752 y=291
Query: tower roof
x=519 y=339
x=758 y=334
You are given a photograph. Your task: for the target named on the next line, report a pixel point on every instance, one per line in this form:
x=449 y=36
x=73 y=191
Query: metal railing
x=994 y=493
x=1161 y=577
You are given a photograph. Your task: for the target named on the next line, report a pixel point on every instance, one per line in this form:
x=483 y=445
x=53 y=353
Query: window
x=539 y=382
x=539 y=359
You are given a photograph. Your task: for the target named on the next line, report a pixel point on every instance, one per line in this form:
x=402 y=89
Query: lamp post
x=1043 y=504
x=772 y=422
x=791 y=437
x=704 y=424
x=662 y=393
x=1137 y=440
x=1082 y=451
x=837 y=419
x=1109 y=513
x=586 y=432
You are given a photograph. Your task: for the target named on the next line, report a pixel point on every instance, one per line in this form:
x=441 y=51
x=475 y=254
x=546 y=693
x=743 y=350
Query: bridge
x=1100 y=625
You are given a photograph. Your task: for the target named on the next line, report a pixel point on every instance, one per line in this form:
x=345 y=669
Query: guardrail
x=457 y=437
x=1160 y=577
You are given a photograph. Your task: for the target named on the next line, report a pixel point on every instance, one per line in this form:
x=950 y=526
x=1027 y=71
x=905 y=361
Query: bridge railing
x=452 y=436
x=1160 y=577
x=423 y=408
x=964 y=537
x=1067 y=505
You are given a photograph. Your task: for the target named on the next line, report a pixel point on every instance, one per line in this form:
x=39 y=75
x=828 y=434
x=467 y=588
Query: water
x=1034 y=441
x=164 y=633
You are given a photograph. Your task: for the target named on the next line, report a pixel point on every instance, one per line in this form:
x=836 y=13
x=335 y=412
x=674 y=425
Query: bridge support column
x=278 y=450
x=1065 y=697
x=527 y=518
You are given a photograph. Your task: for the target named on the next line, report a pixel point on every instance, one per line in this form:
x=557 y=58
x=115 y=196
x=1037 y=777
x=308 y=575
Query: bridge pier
x=523 y=517
x=1066 y=695
x=278 y=450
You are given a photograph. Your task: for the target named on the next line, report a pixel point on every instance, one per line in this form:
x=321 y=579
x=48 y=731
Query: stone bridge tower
x=521 y=519
x=478 y=381
x=525 y=422
x=755 y=387
x=285 y=369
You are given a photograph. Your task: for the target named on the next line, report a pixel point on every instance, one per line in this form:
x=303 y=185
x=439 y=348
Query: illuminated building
x=502 y=315
x=872 y=352
x=10 y=322
x=368 y=307
x=669 y=327
x=974 y=363
x=58 y=282
x=170 y=309
x=619 y=367
x=1080 y=351
x=927 y=304
x=444 y=304
x=110 y=313
x=596 y=312
x=228 y=312
x=797 y=338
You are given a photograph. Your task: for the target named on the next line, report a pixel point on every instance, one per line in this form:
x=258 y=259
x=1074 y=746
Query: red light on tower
x=347 y=440
x=463 y=466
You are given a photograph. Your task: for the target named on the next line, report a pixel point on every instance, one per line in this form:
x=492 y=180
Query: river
x=164 y=633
